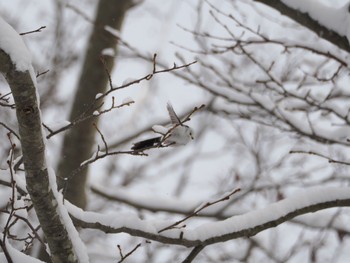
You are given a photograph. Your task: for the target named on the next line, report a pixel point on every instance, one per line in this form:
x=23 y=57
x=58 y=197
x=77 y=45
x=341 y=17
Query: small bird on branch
x=177 y=134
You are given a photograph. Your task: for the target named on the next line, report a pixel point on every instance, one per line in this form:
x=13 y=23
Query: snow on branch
x=336 y=19
x=280 y=93
x=328 y=23
x=249 y=224
x=12 y=44
x=15 y=65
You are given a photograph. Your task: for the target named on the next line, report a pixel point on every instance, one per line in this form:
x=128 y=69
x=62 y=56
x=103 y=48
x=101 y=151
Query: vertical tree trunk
x=78 y=142
x=37 y=179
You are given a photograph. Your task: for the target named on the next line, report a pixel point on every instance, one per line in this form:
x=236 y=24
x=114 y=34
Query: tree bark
x=78 y=142
x=36 y=171
x=304 y=19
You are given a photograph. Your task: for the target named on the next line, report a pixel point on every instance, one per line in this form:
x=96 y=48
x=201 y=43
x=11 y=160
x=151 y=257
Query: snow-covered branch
x=327 y=22
x=249 y=224
x=15 y=65
x=278 y=94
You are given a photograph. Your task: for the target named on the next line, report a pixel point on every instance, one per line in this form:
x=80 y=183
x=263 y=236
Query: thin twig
x=6 y=100
x=39 y=74
x=9 y=129
x=93 y=107
x=195 y=212
x=33 y=31
x=122 y=257
x=330 y=160
x=13 y=187
x=102 y=59
x=102 y=138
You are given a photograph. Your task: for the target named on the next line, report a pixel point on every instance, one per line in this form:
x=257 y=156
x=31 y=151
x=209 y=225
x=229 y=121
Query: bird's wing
x=174 y=118
x=146 y=144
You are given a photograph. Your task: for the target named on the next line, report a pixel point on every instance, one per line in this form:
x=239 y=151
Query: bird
x=177 y=134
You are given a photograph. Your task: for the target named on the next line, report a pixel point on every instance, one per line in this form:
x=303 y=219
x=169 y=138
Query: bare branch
x=330 y=160
x=94 y=107
x=10 y=130
x=198 y=210
x=33 y=31
x=122 y=256
x=39 y=74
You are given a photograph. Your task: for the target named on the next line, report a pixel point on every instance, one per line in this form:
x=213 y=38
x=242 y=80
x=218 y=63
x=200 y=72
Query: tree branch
x=78 y=142
x=29 y=121
x=193 y=254
x=240 y=226
x=308 y=22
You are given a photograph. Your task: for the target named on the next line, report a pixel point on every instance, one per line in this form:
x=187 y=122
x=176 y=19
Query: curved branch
x=15 y=66
x=235 y=227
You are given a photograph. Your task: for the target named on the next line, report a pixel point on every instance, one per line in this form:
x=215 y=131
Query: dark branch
x=33 y=31
x=193 y=254
x=230 y=235
x=308 y=22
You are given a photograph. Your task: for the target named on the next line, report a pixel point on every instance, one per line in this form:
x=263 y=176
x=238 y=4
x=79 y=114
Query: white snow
x=157 y=199
x=78 y=244
x=20 y=206
x=56 y=125
x=295 y=118
x=114 y=220
x=93 y=156
x=12 y=43
x=108 y=52
x=233 y=224
x=272 y=212
x=128 y=100
x=324 y=219
x=98 y=95
x=341 y=134
x=17 y=256
x=340 y=106
x=263 y=100
x=6 y=176
x=292 y=104
x=128 y=80
x=336 y=19
x=5 y=194
x=112 y=31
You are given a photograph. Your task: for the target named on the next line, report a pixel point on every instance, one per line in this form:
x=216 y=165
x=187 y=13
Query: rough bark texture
x=78 y=142
x=33 y=148
x=308 y=22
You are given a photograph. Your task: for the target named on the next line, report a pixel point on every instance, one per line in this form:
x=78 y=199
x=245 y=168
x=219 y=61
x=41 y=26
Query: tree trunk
x=78 y=142
x=33 y=148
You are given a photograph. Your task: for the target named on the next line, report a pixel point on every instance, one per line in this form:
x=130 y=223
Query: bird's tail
x=146 y=144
